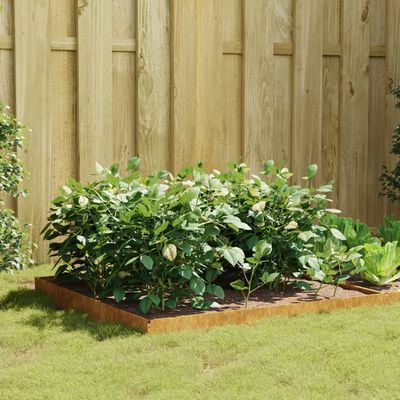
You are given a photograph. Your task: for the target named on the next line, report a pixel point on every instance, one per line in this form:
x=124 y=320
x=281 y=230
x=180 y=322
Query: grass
x=51 y=354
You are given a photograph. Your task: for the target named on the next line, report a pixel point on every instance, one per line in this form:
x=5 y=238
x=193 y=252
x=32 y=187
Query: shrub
x=15 y=253
x=163 y=239
x=391 y=178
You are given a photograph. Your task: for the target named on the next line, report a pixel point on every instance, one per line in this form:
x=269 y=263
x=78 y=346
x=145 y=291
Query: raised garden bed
x=228 y=312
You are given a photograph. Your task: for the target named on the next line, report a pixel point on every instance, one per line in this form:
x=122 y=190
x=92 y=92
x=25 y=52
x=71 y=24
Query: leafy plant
x=390 y=230
x=353 y=232
x=379 y=264
x=15 y=252
x=164 y=239
x=391 y=178
x=330 y=261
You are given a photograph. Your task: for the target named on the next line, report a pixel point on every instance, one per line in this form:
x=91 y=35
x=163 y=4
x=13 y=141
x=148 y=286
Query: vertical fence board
x=64 y=154
x=258 y=82
x=282 y=121
x=7 y=88
x=184 y=83
x=153 y=84
x=124 y=84
x=211 y=140
x=94 y=86
x=393 y=80
x=330 y=133
x=232 y=80
x=377 y=150
x=283 y=21
x=354 y=108
x=124 y=107
x=307 y=90
x=32 y=72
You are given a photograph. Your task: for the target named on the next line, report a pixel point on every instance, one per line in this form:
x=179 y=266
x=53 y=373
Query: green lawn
x=49 y=354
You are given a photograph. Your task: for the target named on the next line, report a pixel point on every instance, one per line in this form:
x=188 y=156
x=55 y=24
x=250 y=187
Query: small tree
x=15 y=250
x=391 y=179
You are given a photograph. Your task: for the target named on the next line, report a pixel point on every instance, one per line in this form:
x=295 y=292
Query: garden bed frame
x=68 y=299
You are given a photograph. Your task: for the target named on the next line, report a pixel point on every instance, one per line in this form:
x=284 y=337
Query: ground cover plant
x=15 y=251
x=163 y=239
x=47 y=353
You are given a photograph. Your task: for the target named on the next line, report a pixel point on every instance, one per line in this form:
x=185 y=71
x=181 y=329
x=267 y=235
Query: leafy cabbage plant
x=380 y=263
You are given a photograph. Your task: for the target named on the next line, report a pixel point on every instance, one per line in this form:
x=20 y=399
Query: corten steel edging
x=68 y=299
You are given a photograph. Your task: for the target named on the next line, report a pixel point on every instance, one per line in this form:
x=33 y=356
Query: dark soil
x=233 y=299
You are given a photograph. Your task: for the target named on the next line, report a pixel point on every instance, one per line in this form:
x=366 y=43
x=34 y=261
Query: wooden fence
x=306 y=81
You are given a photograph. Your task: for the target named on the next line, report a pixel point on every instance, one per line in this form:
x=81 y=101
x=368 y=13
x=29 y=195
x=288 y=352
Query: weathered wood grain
x=258 y=82
x=307 y=85
x=354 y=109
x=153 y=84
x=33 y=107
x=94 y=86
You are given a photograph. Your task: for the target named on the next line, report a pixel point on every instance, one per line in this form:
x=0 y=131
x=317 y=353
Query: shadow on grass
x=69 y=320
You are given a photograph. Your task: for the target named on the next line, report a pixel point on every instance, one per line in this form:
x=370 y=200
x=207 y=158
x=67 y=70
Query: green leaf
x=145 y=305
x=239 y=285
x=133 y=164
x=232 y=220
x=147 y=262
x=303 y=285
x=216 y=291
x=197 y=285
x=262 y=249
x=161 y=228
x=211 y=274
x=201 y=304
x=186 y=247
x=307 y=235
x=212 y=230
x=337 y=234
x=171 y=303
x=154 y=298
x=118 y=294
x=311 y=172
x=234 y=255
x=269 y=278
x=186 y=272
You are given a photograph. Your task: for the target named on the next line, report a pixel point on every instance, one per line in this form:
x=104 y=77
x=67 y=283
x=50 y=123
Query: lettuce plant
x=380 y=263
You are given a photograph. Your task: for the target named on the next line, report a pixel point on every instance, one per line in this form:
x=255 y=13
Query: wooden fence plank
x=94 y=86
x=232 y=81
x=393 y=80
x=211 y=140
x=354 y=108
x=32 y=72
x=307 y=89
x=184 y=83
x=330 y=132
x=153 y=84
x=258 y=82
